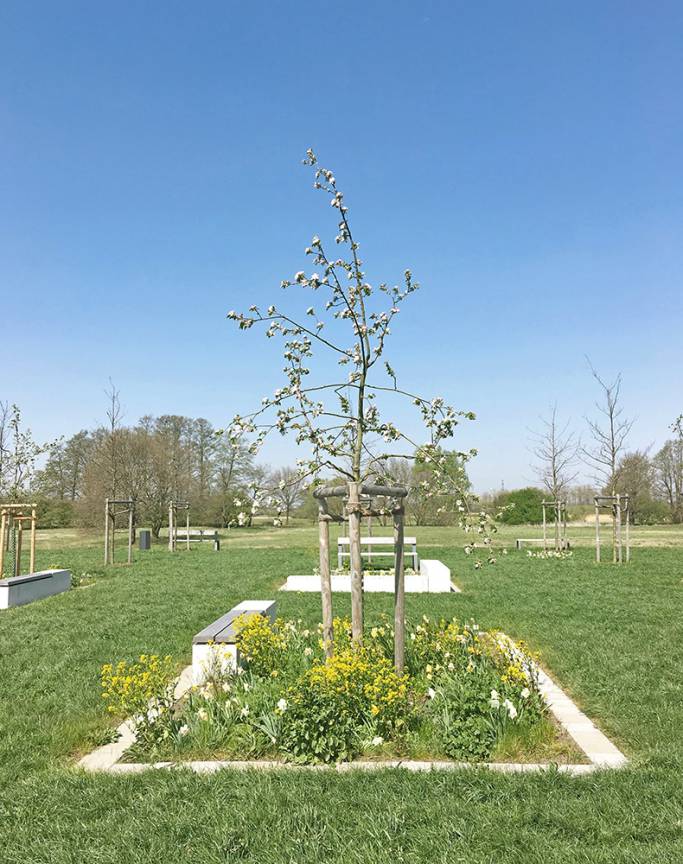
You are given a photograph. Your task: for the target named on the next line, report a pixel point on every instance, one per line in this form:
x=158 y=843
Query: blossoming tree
x=344 y=421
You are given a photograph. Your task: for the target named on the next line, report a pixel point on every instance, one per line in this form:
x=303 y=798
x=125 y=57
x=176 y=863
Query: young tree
x=609 y=436
x=349 y=319
x=288 y=489
x=555 y=449
x=18 y=454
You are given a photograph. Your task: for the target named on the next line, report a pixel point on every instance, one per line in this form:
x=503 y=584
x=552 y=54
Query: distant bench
x=198 y=535
x=368 y=551
x=215 y=646
x=538 y=541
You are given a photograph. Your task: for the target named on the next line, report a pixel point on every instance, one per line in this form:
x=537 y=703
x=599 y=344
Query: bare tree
x=609 y=434
x=288 y=490
x=556 y=451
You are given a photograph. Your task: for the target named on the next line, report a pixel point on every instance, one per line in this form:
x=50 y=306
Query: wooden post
x=17 y=546
x=628 y=538
x=3 y=532
x=130 y=532
x=171 y=544
x=618 y=520
x=106 y=531
x=545 y=539
x=399 y=593
x=187 y=528
x=32 y=554
x=597 y=532
x=356 y=561
x=326 y=582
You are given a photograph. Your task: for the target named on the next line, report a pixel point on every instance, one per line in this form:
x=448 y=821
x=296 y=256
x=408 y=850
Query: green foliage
x=527 y=508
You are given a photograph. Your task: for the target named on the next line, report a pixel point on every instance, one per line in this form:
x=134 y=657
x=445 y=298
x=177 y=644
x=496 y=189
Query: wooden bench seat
x=368 y=551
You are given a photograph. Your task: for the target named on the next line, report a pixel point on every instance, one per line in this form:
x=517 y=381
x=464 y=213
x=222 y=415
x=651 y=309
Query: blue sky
x=524 y=160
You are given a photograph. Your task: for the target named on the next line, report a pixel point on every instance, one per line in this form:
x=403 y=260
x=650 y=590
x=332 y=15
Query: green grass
x=612 y=637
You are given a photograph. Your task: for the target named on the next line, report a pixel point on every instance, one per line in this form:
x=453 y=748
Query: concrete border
x=598 y=749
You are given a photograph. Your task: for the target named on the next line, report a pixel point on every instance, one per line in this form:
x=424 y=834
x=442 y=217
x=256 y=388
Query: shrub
x=143 y=691
x=332 y=702
x=527 y=506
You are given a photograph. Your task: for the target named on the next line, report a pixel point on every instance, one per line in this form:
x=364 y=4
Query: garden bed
x=467 y=697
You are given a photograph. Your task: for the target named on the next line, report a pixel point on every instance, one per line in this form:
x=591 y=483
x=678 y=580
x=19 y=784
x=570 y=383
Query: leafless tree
x=556 y=451
x=608 y=433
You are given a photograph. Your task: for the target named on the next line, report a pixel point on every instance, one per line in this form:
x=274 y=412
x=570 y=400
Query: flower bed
x=466 y=695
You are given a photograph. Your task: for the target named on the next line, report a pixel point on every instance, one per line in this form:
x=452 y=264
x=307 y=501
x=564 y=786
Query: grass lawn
x=612 y=637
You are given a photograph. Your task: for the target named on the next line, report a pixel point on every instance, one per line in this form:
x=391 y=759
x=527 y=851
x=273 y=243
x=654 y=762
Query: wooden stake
x=399 y=594
x=106 y=531
x=32 y=553
x=171 y=544
x=130 y=533
x=618 y=521
x=545 y=538
x=3 y=531
x=187 y=528
x=356 y=561
x=628 y=538
x=326 y=582
x=17 y=547
x=597 y=533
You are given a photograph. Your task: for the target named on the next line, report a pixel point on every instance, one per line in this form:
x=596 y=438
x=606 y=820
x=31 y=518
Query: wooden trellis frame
x=357 y=499
x=559 y=510
x=620 y=507
x=173 y=508
x=111 y=512
x=12 y=519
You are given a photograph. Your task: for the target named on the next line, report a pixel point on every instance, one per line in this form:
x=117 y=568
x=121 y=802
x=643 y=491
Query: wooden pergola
x=114 y=508
x=357 y=503
x=12 y=519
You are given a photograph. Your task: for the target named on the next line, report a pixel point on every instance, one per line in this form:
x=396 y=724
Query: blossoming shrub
x=464 y=692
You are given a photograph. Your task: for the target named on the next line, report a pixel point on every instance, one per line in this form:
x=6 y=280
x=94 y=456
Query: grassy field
x=613 y=637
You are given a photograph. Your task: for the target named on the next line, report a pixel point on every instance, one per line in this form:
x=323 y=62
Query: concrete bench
x=19 y=590
x=214 y=648
x=538 y=541
x=369 y=551
x=198 y=535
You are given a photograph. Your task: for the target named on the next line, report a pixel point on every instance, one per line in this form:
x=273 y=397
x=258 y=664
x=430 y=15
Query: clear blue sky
x=524 y=159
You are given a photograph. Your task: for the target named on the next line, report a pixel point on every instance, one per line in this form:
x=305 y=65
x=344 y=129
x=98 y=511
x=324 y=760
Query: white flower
x=377 y=741
x=494 y=701
x=245 y=711
x=431 y=692
x=512 y=711
x=182 y=732
x=202 y=714
x=225 y=687
x=308 y=651
x=525 y=693
x=282 y=705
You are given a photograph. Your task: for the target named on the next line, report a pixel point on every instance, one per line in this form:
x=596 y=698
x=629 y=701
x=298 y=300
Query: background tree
x=668 y=468
x=608 y=434
x=288 y=489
